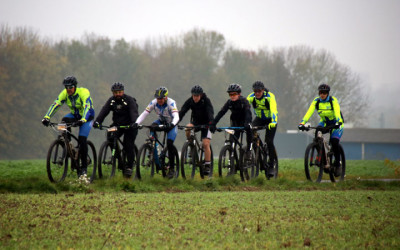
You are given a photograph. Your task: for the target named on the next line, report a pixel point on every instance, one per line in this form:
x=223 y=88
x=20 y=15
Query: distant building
x=358 y=144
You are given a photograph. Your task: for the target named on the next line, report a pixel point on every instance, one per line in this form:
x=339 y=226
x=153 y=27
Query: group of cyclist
x=125 y=112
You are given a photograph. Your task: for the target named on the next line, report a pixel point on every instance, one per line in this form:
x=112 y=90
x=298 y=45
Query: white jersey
x=167 y=112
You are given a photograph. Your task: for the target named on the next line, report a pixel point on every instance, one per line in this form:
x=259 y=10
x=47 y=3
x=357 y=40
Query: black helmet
x=161 y=92
x=70 y=80
x=234 y=88
x=197 y=90
x=117 y=86
x=324 y=87
x=258 y=85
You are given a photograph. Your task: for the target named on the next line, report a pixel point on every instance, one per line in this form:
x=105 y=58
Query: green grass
x=222 y=213
x=225 y=220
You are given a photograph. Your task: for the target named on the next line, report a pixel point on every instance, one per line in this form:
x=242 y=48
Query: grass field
x=217 y=213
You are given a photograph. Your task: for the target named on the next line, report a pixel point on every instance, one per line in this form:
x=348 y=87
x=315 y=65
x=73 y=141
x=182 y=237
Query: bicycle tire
x=246 y=165
x=91 y=161
x=166 y=162
x=343 y=165
x=196 y=163
x=313 y=163
x=226 y=163
x=57 y=161
x=106 y=161
x=145 y=162
x=186 y=161
x=211 y=162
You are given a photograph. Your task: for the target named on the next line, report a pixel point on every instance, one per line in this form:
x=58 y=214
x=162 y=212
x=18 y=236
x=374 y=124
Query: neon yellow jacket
x=265 y=107
x=80 y=104
x=327 y=113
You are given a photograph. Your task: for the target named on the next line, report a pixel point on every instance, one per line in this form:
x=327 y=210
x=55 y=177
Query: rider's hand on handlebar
x=337 y=125
x=169 y=126
x=46 y=122
x=302 y=127
x=247 y=126
x=271 y=125
x=212 y=127
x=96 y=125
x=80 y=122
x=134 y=125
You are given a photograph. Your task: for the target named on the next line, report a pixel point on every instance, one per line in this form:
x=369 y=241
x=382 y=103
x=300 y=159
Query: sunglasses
x=258 y=91
x=70 y=87
x=233 y=94
x=323 y=92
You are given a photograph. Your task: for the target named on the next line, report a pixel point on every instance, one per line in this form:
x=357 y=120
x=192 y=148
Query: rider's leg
x=83 y=148
x=171 y=149
x=206 y=138
x=69 y=118
x=269 y=139
x=129 y=145
x=187 y=130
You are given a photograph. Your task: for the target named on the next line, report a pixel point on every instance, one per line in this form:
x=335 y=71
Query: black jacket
x=241 y=113
x=202 y=112
x=125 y=110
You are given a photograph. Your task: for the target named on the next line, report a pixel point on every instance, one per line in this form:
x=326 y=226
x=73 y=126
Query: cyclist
x=82 y=112
x=168 y=115
x=240 y=116
x=202 y=114
x=125 y=112
x=329 y=110
x=265 y=109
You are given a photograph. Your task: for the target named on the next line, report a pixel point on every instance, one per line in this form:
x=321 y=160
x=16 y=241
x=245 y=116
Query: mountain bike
x=319 y=157
x=259 y=156
x=153 y=156
x=192 y=154
x=64 y=152
x=112 y=155
x=232 y=155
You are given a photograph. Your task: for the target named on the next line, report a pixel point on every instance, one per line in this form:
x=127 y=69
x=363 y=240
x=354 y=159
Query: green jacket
x=325 y=111
x=80 y=104
x=266 y=107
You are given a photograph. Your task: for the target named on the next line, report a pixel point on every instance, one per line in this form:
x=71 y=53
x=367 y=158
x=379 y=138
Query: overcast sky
x=363 y=34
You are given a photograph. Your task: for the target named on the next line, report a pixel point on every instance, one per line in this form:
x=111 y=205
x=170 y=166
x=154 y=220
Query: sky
x=362 y=34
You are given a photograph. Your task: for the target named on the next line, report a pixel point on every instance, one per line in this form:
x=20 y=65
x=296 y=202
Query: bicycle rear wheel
x=226 y=163
x=313 y=163
x=107 y=162
x=342 y=162
x=145 y=162
x=186 y=158
x=57 y=161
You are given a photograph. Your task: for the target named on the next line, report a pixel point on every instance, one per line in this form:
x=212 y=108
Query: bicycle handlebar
x=327 y=128
x=118 y=127
x=193 y=127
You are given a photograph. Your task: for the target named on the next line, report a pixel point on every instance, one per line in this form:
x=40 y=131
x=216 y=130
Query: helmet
x=197 y=90
x=161 y=92
x=324 y=87
x=258 y=85
x=70 y=80
x=117 y=86
x=234 y=88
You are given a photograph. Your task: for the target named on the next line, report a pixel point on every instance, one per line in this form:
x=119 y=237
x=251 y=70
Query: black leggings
x=269 y=134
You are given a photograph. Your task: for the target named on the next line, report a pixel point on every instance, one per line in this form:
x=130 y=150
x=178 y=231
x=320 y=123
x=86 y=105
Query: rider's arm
x=105 y=110
x=146 y=112
x=185 y=108
x=273 y=107
x=310 y=111
x=174 y=111
x=133 y=109
x=247 y=109
x=62 y=97
x=336 y=109
x=222 y=112
x=87 y=103
x=209 y=109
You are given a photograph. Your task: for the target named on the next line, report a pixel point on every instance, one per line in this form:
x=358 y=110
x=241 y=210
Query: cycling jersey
x=264 y=108
x=202 y=111
x=80 y=104
x=329 y=115
x=168 y=112
x=240 y=109
x=125 y=110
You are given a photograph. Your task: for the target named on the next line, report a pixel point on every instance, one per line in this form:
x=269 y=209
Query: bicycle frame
x=63 y=133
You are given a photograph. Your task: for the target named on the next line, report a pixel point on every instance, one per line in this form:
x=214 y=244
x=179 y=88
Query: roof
x=371 y=135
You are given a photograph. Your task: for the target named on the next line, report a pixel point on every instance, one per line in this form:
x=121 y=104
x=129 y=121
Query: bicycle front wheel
x=186 y=158
x=342 y=165
x=57 y=161
x=145 y=162
x=313 y=163
x=247 y=165
x=107 y=162
x=170 y=163
x=91 y=161
x=226 y=162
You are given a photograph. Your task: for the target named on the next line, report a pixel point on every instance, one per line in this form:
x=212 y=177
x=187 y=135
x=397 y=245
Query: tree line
x=32 y=69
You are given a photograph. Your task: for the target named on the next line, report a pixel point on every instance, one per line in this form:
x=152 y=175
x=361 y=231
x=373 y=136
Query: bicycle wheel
x=201 y=152
x=247 y=165
x=145 y=162
x=275 y=166
x=313 y=163
x=166 y=165
x=91 y=161
x=57 y=161
x=342 y=162
x=107 y=162
x=186 y=158
x=226 y=163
